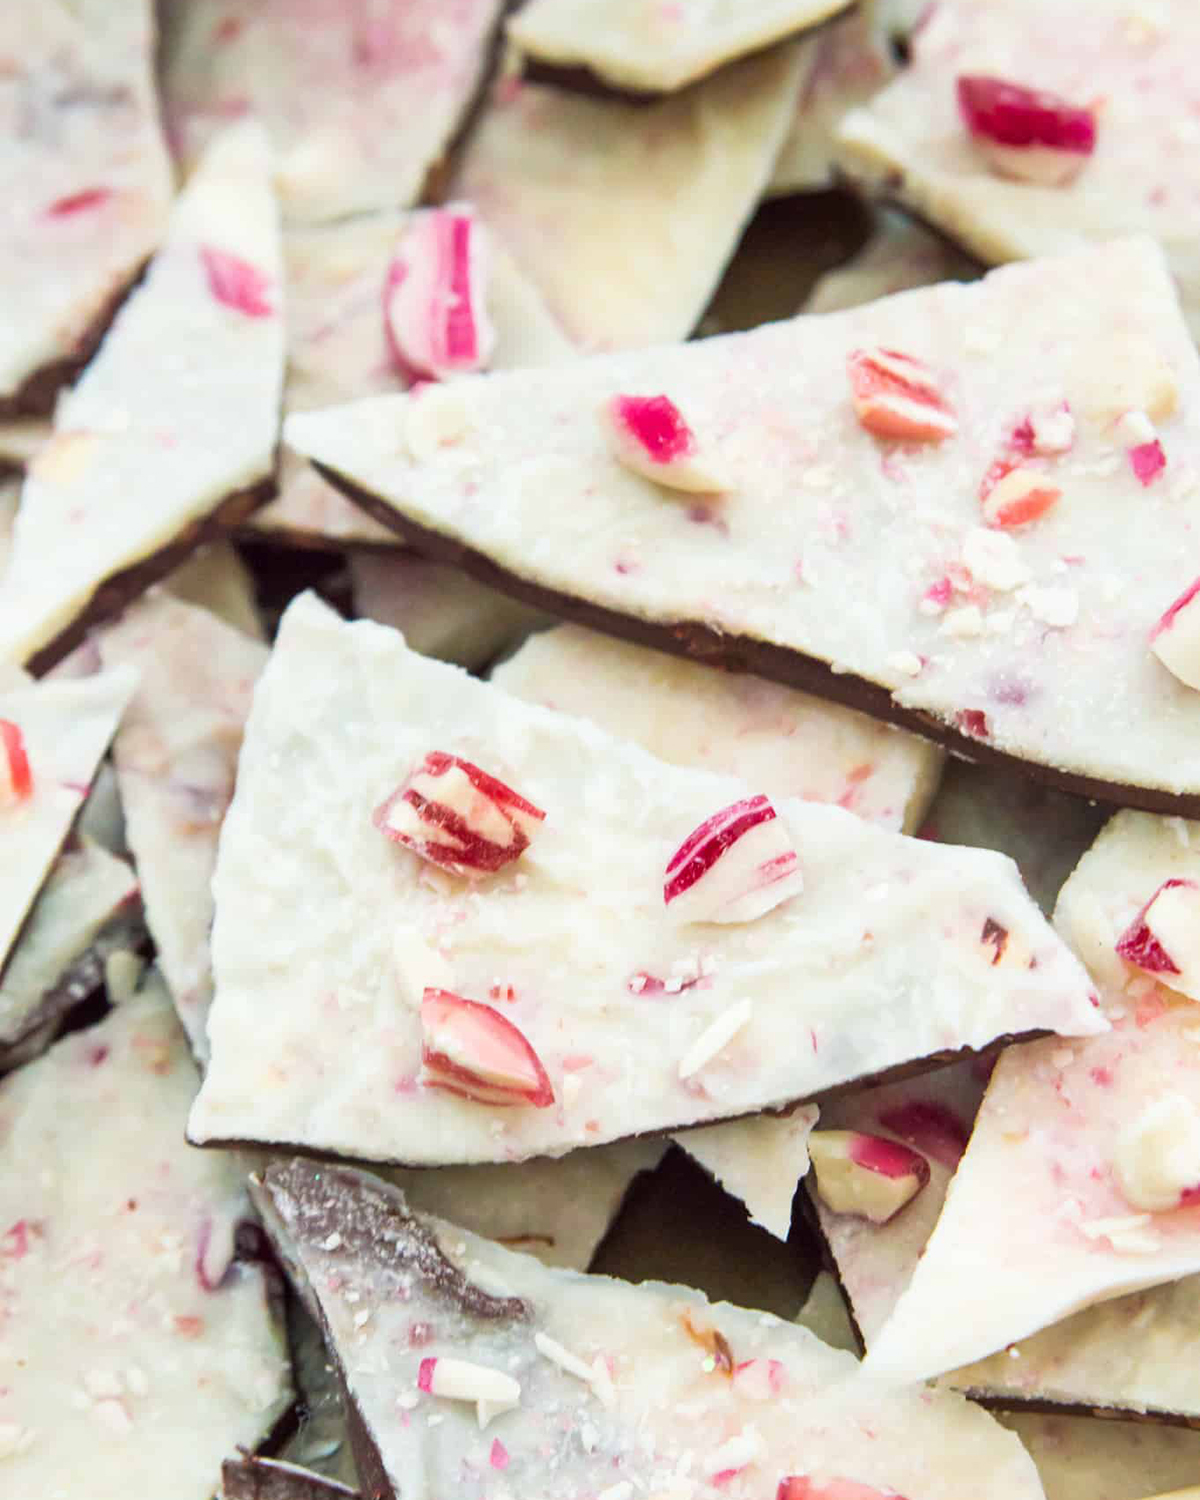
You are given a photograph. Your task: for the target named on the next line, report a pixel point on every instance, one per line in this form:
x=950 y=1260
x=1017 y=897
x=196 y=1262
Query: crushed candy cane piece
x=471 y=1050
x=435 y=295
x=929 y=1126
x=897 y=396
x=236 y=283
x=652 y=437
x=760 y=1379
x=78 y=203
x=1014 y=495
x=1175 y=639
x=458 y=817
x=1164 y=938
x=1052 y=432
x=462 y=1380
x=865 y=1175
x=1147 y=461
x=1157 y=1159
x=16 y=778
x=714 y=1038
x=800 y=1487
x=1027 y=134
x=735 y=867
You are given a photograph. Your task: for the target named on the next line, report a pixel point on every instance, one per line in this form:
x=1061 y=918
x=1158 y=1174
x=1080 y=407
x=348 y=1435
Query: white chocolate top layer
x=1141 y=177
x=785 y=742
x=657 y=1410
x=66 y=728
x=87 y=181
x=120 y=1364
x=313 y=1040
x=1046 y=1189
x=361 y=105
x=179 y=409
x=644 y=45
x=836 y=545
x=625 y=215
x=176 y=756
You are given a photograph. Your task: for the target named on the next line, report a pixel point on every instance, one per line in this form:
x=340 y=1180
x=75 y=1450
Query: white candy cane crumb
x=963 y=622
x=908 y=663
x=714 y=1038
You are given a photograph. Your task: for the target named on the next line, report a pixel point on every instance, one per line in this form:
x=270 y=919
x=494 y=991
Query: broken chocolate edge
x=739 y=653
x=252 y=1477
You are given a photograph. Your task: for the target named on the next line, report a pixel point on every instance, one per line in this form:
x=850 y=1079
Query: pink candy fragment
x=471 y=1050
x=651 y=436
x=16 y=778
x=932 y=1128
x=434 y=297
x=801 y=1487
x=897 y=396
x=78 y=203
x=1147 y=461
x=1140 y=945
x=736 y=866
x=236 y=283
x=1028 y=134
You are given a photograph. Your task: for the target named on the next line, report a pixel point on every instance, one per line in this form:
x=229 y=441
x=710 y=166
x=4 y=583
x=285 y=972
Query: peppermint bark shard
x=339 y=349
x=172 y=427
x=625 y=263
x=654 y=48
x=614 y=1383
x=339 y=926
x=64 y=728
x=838 y=560
x=1072 y=1225
x=786 y=743
x=119 y=1245
x=87 y=182
x=912 y=143
x=758 y=1160
x=898 y=257
x=360 y=105
x=87 y=909
x=176 y=756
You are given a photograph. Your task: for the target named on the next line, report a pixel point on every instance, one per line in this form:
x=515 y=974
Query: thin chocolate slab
x=170 y=433
x=334 y=931
x=252 y=1478
x=87 y=183
x=835 y=561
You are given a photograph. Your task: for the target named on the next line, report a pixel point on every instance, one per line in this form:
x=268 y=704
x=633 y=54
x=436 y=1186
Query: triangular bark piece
x=840 y=561
x=87 y=180
x=132 y=1289
x=171 y=430
x=334 y=931
x=1049 y=1202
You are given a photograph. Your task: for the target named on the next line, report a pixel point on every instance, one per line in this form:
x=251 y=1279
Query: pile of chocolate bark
x=600 y=750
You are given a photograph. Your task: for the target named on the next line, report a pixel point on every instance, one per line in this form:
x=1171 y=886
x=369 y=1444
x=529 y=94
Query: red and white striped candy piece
x=897 y=396
x=652 y=437
x=737 y=866
x=471 y=1050
x=1014 y=494
x=463 y=1380
x=801 y=1487
x=1027 y=134
x=1175 y=639
x=458 y=817
x=865 y=1175
x=1164 y=938
x=435 y=295
x=16 y=778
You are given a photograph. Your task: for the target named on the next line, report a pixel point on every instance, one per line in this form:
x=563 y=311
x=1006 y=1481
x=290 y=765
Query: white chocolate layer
x=617 y=1383
x=86 y=176
x=625 y=215
x=179 y=409
x=829 y=541
x=120 y=1365
x=657 y=48
x=912 y=141
x=176 y=757
x=360 y=105
x=310 y=895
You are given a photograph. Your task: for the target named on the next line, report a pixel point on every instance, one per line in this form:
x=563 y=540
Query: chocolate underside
x=251 y=1478
x=120 y=588
x=36 y=395
x=740 y=653
x=910 y=1069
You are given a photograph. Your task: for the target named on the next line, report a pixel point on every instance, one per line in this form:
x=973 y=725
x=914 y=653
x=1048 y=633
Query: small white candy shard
x=434 y=300
x=994 y=560
x=714 y=1038
x=866 y=1175
x=1158 y=1156
x=1053 y=431
x=1175 y=639
x=735 y=867
x=462 y=1380
x=651 y=437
